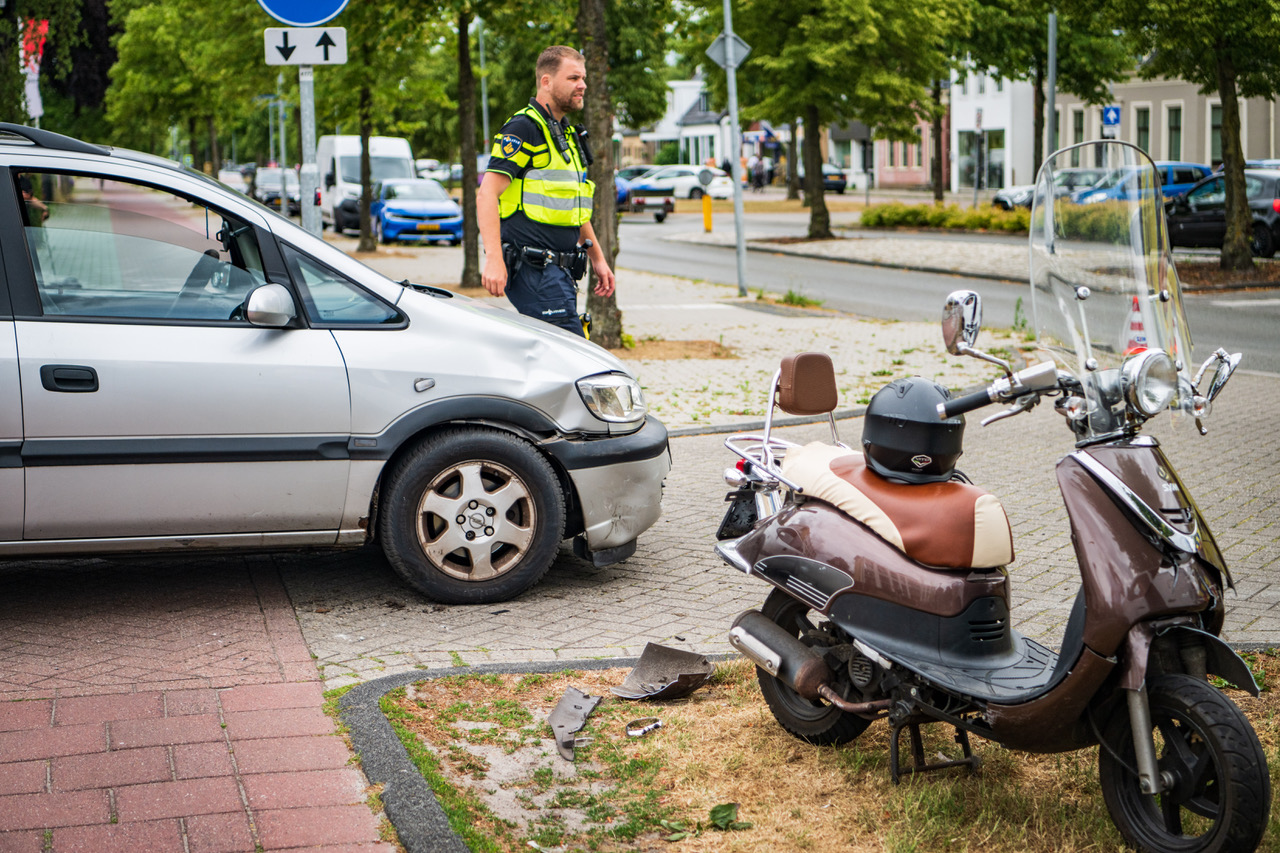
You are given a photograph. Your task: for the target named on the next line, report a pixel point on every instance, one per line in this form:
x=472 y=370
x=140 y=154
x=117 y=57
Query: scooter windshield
x=1105 y=293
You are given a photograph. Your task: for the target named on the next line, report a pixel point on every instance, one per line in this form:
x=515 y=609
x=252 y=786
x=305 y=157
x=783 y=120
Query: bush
x=898 y=215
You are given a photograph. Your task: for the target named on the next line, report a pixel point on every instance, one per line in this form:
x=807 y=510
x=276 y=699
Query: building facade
x=1170 y=120
x=992 y=129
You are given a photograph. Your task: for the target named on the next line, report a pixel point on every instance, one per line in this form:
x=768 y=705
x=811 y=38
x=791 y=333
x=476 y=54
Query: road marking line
x=688 y=306
x=1246 y=303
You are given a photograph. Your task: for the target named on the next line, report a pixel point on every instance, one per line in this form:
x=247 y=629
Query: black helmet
x=904 y=439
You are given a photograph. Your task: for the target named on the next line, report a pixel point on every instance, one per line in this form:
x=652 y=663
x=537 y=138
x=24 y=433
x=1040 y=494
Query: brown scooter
x=890 y=596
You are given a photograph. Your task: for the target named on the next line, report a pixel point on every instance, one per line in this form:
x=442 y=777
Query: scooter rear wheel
x=1221 y=793
x=813 y=721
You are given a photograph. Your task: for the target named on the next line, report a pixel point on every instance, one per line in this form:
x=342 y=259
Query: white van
x=338 y=161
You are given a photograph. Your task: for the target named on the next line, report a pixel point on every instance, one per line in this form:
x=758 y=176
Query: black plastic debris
x=568 y=718
x=665 y=673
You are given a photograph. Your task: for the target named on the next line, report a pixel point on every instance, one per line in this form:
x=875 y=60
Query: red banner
x=33 y=36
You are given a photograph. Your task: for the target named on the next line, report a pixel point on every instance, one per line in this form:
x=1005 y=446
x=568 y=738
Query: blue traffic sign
x=302 y=13
x=1110 y=116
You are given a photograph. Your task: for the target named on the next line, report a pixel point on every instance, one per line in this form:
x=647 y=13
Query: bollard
x=706 y=212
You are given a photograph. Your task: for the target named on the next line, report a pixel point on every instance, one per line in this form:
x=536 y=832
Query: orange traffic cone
x=1135 y=339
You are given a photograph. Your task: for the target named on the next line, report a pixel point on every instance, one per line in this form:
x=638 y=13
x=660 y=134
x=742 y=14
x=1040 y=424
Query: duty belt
x=574 y=262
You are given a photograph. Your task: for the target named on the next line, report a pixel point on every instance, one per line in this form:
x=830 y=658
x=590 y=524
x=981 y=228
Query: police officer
x=535 y=201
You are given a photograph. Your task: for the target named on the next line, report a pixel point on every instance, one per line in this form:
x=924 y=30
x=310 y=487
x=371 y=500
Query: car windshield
x=1104 y=287
x=381 y=168
x=421 y=190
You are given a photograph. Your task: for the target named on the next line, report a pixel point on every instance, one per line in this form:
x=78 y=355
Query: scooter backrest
x=807 y=384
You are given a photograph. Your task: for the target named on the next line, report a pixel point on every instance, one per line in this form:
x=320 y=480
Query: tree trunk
x=935 y=142
x=793 y=162
x=606 y=319
x=819 y=218
x=1038 y=121
x=365 y=120
x=467 y=145
x=215 y=156
x=1235 y=245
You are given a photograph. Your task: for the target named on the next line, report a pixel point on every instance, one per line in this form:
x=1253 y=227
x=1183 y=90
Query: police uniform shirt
x=516 y=148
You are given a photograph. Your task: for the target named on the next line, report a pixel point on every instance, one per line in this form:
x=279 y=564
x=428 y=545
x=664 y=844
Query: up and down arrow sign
x=306 y=45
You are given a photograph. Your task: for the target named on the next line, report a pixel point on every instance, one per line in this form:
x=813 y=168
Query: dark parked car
x=1199 y=218
x=833 y=178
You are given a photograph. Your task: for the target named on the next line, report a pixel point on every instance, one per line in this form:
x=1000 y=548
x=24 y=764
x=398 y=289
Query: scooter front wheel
x=1221 y=792
x=813 y=721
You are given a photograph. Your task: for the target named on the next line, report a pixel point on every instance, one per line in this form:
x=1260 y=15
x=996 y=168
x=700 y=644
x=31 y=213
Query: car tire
x=378 y=233
x=339 y=227
x=695 y=194
x=1262 y=242
x=660 y=216
x=471 y=516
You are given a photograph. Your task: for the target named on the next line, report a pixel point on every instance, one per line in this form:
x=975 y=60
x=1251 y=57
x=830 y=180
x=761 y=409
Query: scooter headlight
x=613 y=397
x=1150 y=381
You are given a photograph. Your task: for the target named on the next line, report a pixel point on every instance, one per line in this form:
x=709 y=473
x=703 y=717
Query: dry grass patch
x=660 y=350
x=1207 y=275
x=721 y=745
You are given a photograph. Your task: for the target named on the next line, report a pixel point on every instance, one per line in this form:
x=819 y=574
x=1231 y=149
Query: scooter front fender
x=1220 y=659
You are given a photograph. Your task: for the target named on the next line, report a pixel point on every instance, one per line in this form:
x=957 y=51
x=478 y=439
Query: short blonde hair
x=549 y=60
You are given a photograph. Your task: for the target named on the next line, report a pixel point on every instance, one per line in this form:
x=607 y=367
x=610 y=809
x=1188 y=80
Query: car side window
x=1206 y=195
x=331 y=299
x=1253 y=187
x=113 y=249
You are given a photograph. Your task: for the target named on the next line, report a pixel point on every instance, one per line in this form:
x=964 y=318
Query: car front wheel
x=695 y=193
x=472 y=516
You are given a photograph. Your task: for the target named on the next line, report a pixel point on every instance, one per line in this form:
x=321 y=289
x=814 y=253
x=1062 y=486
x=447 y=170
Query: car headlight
x=613 y=397
x=1150 y=381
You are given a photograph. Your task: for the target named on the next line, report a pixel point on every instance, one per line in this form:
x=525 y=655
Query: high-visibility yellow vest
x=554 y=189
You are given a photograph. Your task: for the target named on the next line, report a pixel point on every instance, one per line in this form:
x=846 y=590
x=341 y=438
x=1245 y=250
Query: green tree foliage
x=832 y=60
x=1011 y=39
x=1228 y=47
x=64 y=18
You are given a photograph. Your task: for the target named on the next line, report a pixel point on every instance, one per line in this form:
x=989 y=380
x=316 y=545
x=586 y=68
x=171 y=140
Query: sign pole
x=735 y=141
x=309 y=179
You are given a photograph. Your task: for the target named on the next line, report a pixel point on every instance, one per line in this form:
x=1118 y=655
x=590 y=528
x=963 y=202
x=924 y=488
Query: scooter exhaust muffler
x=780 y=654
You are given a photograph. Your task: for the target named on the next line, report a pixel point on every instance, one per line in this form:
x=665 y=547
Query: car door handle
x=69 y=378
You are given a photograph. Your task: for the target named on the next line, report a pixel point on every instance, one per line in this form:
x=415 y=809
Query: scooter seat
x=949 y=525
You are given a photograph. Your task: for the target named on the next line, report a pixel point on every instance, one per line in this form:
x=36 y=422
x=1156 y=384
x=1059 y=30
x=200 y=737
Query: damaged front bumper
x=619 y=484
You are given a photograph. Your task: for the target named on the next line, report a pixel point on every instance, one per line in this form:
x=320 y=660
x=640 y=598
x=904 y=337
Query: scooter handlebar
x=1036 y=378
x=967 y=403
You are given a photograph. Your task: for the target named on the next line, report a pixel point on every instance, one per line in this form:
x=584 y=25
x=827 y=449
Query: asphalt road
x=1247 y=322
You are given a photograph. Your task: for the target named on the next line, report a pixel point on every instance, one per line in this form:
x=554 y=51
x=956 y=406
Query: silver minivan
x=183 y=369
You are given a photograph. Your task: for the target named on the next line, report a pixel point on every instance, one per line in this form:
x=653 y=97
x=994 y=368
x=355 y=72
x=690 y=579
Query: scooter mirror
x=961 y=321
x=1220 y=376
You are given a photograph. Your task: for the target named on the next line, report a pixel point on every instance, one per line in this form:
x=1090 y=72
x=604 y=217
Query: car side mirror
x=270 y=305
x=328 y=180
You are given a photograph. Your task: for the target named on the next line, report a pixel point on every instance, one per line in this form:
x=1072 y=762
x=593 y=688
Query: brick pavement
x=166 y=705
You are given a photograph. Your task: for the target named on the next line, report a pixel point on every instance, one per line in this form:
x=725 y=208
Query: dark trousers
x=548 y=293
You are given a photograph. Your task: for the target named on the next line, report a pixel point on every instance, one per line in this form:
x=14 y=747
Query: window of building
x=1175 y=133
x=982 y=84
x=893 y=153
x=1215 y=135
x=1077 y=134
x=1142 y=128
x=918 y=154
x=999 y=84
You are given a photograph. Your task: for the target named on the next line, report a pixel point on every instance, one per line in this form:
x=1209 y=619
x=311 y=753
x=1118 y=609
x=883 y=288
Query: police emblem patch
x=510 y=145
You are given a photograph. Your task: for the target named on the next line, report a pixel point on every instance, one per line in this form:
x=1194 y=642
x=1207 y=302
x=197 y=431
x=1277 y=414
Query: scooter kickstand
x=970 y=760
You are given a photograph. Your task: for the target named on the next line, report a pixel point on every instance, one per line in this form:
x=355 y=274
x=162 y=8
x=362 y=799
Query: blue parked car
x=415 y=209
x=624 y=190
x=1175 y=179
